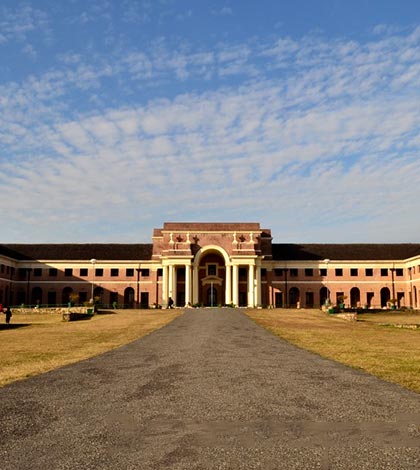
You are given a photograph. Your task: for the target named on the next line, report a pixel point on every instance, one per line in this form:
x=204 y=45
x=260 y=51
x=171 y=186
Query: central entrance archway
x=210 y=268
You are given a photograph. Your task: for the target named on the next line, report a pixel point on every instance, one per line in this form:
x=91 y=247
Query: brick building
x=211 y=264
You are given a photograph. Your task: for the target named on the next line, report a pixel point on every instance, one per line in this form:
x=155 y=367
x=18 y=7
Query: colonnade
x=192 y=287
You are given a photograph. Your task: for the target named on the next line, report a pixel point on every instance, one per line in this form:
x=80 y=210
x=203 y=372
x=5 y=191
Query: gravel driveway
x=210 y=390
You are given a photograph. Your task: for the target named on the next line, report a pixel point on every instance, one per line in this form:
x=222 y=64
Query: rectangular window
x=115 y=272
x=99 y=272
x=263 y=273
x=293 y=272
x=399 y=272
x=384 y=272
x=52 y=272
x=129 y=272
x=354 y=272
x=369 y=272
x=278 y=272
x=68 y=272
x=338 y=271
x=323 y=272
x=38 y=272
x=146 y=272
x=309 y=272
x=160 y=272
x=83 y=272
x=2 y=268
x=211 y=270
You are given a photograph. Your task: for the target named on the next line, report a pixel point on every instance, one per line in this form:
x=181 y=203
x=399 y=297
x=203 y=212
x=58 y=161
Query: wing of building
x=211 y=264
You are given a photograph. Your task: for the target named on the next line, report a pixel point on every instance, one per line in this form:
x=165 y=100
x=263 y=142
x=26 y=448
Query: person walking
x=8 y=314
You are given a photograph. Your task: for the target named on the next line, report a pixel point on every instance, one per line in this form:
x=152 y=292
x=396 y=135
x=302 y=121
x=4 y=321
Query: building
x=211 y=264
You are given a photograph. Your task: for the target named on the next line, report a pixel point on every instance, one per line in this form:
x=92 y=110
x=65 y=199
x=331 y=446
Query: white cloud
x=325 y=145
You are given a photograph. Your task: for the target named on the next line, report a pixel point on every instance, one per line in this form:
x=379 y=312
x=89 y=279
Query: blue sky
x=116 y=116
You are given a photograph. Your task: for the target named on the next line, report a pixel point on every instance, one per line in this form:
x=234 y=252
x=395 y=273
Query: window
x=293 y=272
x=369 y=272
x=115 y=272
x=263 y=273
x=52 y=272
x=99 y=272
x=160 y=272
x=323 y=272
x=129 y=272
x=146 y=272
x=399 y=272
x=83 y=271
x=68 y=272
x=354 y=272
x=309 y=272
x=2 y=268
x=211 y=270
x=384 y=272
x=38 y=272
x=278 y=272
x=338 y=271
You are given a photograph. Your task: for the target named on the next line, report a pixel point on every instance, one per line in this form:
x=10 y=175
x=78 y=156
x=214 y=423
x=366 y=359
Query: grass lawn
x=374 y=343
x=35 y=342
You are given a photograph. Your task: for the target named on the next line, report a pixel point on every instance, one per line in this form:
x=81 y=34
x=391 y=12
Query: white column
x=251 y=285
x=171 y=281
x=195 y=285
x=174 y=282
x=164 y=285
x=235 y=297
x=258 y=287
x=228 y=287
x=187 y=284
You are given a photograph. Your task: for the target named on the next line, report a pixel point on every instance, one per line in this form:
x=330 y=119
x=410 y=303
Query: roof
x=85 y=251
x=349 y=251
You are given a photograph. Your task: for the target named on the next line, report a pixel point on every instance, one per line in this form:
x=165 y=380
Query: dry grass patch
x=36 y=343
x=390 y=353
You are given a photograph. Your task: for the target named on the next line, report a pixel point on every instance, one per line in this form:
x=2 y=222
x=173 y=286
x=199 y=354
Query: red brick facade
x=211 y=264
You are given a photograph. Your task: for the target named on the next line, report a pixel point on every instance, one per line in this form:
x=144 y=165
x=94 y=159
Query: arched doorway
x=36 y=296
x=355 y=297
x=323 y=295
x=385 y=296
x=66 y=295
x=211 y=279
x=129 y=297
x=294 y=297
x=98 y=295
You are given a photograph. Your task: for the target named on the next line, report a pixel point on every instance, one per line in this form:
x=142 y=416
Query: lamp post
x=393 y=285
x=93 y=262
x=327 y=300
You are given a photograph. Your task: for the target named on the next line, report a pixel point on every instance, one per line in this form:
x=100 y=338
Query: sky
x=119 y=115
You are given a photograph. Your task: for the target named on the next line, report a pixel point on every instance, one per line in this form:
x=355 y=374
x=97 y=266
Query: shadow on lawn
x=13 y=326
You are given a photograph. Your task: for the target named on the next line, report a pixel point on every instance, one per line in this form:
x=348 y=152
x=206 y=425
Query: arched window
x=385 y=296
x=294 y=296
x=355 y=297
x=36 y=296
x=129 y=297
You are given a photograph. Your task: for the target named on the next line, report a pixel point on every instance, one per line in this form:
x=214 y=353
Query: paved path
x=210 y=390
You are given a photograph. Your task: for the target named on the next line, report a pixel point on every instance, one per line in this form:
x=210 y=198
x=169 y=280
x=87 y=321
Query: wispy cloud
x=317 y=132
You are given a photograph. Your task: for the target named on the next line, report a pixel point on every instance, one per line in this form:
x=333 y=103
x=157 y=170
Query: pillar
x=228 y=285
x=164 y=285
x=187 y=284
x=258 y=287
x=235 y=296
x=251 y=285
x=195 y=285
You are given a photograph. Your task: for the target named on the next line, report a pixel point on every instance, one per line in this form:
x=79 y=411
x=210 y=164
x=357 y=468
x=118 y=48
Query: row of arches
x=307 y=298
x=39 y=296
